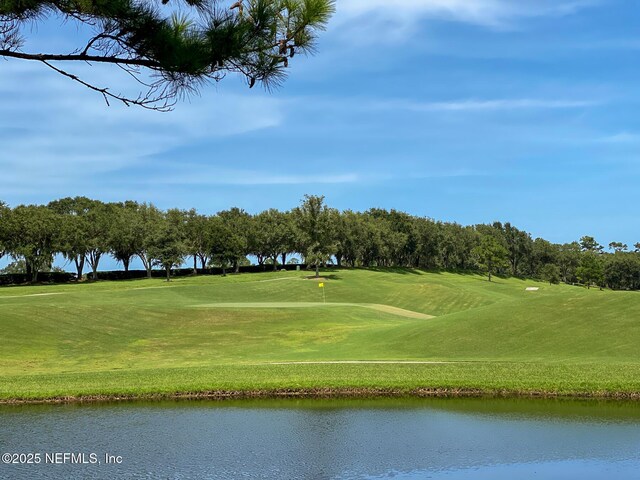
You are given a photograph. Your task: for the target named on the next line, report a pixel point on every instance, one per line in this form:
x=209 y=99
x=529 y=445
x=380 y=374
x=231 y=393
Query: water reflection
x=332 y=439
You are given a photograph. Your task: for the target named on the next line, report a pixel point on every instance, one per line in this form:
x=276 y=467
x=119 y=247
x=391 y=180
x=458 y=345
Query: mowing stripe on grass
x=401 y=312
x=361 y=362
x=31 y=295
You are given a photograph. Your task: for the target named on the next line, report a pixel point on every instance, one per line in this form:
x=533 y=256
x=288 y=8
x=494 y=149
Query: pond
x=323 y=439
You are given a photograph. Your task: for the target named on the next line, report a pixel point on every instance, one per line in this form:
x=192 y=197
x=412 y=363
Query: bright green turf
x=125 y=337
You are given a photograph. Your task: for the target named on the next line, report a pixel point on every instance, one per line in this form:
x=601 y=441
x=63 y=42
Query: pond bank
x=328 y=393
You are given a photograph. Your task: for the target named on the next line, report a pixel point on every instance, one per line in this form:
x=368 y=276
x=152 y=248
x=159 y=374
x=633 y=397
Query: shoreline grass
x=618 y=381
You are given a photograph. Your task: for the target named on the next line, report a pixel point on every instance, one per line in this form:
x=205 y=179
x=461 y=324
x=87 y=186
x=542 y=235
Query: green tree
x=74 y=230
x=196 y=238
x=427 y=250
x=551 y=273
x=542 y=252
x=272 y=236
x=622 y=271
x=221 y=252
x=491 y=255
x=16 y=267
x=569 y=256
x=519 y=245
x=316 y=236
x=590 y=270
x=149 y=224
x=125 y=235
x=32 y=235
x=168 y=246
x=401 y=239
x=99 y=217
x=449 y=246
x=181 y=47
x=236 y=244
x=348 y=231
x=618 y=247
x=589 y=244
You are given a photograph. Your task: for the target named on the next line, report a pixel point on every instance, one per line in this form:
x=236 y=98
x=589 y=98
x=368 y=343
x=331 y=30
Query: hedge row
x=43 y=277
x=185 y=272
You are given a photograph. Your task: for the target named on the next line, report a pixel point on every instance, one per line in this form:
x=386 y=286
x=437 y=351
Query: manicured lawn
x=146 y=336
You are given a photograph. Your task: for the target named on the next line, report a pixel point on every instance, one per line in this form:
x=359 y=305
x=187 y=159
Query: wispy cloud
x=382 y=21
x=492 y=13
x=622 y=138
x=357 y=104
x=498 y=104
x=69 y=135
x=218 y=176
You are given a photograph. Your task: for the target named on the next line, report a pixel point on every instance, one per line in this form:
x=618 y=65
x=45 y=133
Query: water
x=330 y=439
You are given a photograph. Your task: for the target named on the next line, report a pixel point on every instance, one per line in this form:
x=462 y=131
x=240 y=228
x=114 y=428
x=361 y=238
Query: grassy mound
x=226 y=333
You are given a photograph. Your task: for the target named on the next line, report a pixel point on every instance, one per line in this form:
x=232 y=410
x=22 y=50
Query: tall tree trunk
x=275 y=262
x=94 y=260
x=146 y=262
x=79 y=260
x=284 y=259
x=195 y=264
x=34 y=272
x=203 y=262
x=317 y=269
x=168 y=269
x=125 y=262
x=147 y=266
x=28 y=268
x=236 y=266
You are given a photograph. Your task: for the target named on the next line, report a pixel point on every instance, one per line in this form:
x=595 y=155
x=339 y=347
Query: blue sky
x=460 y=110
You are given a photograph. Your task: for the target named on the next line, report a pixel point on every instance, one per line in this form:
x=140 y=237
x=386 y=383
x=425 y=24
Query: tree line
x=84 y=231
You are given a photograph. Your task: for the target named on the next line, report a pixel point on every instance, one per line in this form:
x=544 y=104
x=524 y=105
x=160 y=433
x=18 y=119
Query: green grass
x=148 y=337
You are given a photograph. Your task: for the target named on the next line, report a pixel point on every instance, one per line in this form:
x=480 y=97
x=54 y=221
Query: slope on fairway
x=563 y=324
x=54 y=336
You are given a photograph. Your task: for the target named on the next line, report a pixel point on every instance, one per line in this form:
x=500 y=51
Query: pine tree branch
x=82 y=57
x=163 y=102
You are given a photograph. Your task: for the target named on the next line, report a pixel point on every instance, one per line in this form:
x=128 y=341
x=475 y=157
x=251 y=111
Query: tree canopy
x=180 y=43
x=316 y=235
x=84 y=231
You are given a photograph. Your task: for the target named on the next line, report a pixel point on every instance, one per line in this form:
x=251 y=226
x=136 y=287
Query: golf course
x=366 y=332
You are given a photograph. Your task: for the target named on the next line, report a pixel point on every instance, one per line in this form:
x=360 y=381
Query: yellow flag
x=321 y=285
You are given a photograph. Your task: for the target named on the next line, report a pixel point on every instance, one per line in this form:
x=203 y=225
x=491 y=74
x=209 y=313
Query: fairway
x=379 y=329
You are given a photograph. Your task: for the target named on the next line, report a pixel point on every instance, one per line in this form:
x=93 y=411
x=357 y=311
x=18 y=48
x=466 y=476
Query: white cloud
x=216 y=175
x=459 y=105
x=56 y=133
x=261 y=178
x=500 y=104
x=622 y=138
x=492 y=13
x=361 y=22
